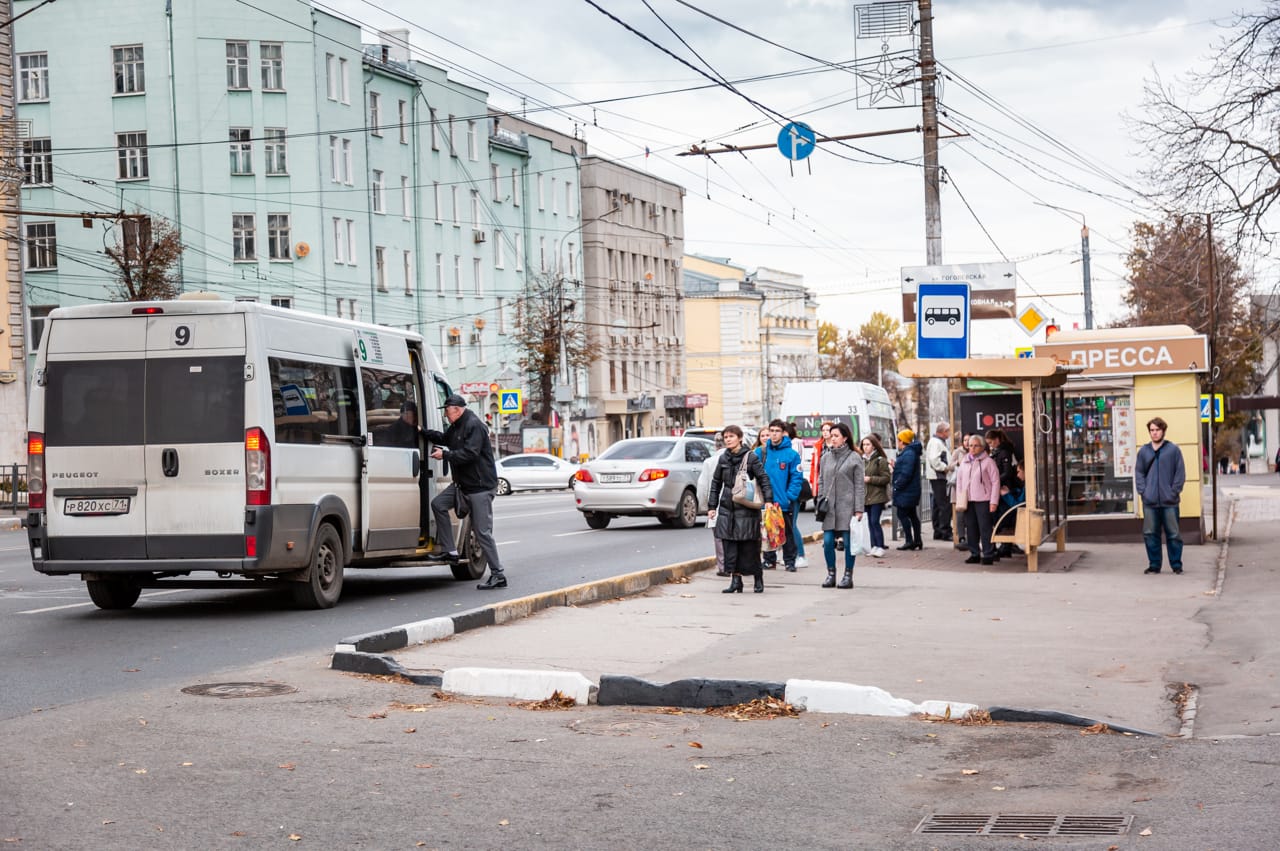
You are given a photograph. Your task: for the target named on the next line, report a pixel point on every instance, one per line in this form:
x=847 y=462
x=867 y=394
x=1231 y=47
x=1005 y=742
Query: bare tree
x=877 y=347
x=146 y=260
x=1213 y=136
x=549 y=340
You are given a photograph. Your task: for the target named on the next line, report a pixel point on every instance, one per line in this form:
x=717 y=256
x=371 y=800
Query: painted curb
x=372 y=663
x=694 y=693
x=850 y=699
x=520 y=685
x=1005 y=713
x=10 y=524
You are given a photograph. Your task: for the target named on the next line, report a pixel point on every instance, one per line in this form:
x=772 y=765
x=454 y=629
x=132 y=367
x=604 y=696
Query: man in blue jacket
x=782 y=463
x=1159 y=475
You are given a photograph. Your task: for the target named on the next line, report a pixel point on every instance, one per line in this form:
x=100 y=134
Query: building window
x=42 y=245
x=274 y=150
x=542 y=194
x=33 y=77
x=278 y=236
x=39 y=315
x=403 y=116
x=380 y=267
x=136 y=231
x=351 y=242
x=237 y=65
x=435 y=192
x=272 y=55
x=515 y=187
x=453 y=190
x=241 y=151
x=37 y=162
x=568 y=199
x=243 y=237
x=572 y=269
x=495 y=177
x=131 y=156
x=473 y=142
x=285 y=301
x=127 y=64
x=502 y=315
x=475 y=208
x=477 y=275
x=406 y=197
x=379 y=192
x=542 y=253
x=519 y=251
x=331 y=76
x=499 y=260
x=407 y=260
x=344 y=82
x=352 y=309
x=555 y=205
x=457 y=274
x=439 y=273
x=453 y=140
x=435 y=130
x=375 y=113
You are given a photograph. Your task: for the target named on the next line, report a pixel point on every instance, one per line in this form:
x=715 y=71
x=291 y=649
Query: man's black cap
x=454 y=401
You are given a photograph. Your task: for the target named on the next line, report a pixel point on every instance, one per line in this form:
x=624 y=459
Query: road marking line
x=570 y=534
x=83 y=605
x=534 y=514
x=11 y=549
x=505 y=543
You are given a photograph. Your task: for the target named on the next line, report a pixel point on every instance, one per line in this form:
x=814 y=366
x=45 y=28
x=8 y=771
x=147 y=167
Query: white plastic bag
x=860 y=536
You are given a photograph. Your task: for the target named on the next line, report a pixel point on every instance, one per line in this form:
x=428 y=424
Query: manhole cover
x=630 y=727
x=1015 y=824
x=226 y=690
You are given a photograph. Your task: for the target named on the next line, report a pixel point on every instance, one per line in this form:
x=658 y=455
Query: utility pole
x=1213 y=363
x=1088 y=279
x=932 y=177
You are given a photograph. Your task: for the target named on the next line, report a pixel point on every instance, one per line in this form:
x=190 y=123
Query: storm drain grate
x=226 y=690
x=1020 y=824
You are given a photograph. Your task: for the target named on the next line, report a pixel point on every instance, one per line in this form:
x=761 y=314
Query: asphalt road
x=59 y=648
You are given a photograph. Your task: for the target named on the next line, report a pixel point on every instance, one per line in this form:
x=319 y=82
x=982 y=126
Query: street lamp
x=1084 y=259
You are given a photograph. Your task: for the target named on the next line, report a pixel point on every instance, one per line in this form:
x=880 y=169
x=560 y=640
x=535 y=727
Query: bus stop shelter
x=1039 y=381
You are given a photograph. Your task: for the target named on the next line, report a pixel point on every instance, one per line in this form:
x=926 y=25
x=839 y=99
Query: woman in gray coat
x=840 y=480
x=737 y=525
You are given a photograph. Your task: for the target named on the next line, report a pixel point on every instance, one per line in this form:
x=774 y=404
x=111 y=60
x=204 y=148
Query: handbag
x=745 y=492
x=461 y=503
x=806 y=490
x=821 y=508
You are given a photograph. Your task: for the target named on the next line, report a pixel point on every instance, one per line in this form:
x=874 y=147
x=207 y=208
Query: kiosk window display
x=1099 y=477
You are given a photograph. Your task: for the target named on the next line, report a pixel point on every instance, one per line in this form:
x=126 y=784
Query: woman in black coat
x=737 y=525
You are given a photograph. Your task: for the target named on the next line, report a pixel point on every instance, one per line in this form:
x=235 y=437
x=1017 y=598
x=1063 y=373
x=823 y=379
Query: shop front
x=1128 y=376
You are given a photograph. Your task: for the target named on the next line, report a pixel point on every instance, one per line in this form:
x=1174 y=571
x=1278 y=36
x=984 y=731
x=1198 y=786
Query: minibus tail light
x=257 y=468
x=35 y=471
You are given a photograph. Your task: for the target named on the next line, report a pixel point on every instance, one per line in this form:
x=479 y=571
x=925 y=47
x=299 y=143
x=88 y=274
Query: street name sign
x=993 y=287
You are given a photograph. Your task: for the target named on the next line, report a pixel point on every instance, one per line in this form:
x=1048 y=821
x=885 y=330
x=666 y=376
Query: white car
x=534 y=471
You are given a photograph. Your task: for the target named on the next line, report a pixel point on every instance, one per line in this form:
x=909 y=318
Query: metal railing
x=13 y=488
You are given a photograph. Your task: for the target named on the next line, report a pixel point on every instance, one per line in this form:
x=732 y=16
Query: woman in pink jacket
x=978 y=497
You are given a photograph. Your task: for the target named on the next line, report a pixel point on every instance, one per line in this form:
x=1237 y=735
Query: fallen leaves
x=376 y=715
x=557 y=700
x=972 y=718
x=131 y=670
x=411 y=729
x=295 y=837
x=1145 y=832
x=968 y=771
x=1095 y=729
x=504 y=822
x=424 y=765
x=701 y=766
x=696 y=745
x=398 y=706
x=766 y=708
x=287 y=766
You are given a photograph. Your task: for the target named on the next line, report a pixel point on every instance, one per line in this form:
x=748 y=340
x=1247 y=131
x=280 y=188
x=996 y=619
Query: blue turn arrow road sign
x=797 y=140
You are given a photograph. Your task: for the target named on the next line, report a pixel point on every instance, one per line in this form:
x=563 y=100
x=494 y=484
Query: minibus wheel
x=113 y=593
x=474 y=562
x=323 y=585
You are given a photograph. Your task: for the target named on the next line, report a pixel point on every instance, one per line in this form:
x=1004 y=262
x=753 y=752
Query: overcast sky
x=1040 y=88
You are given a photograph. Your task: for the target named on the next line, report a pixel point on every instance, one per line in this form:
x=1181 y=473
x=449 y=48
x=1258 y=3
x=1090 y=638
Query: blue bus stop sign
x=797 y=140
x=942 y=321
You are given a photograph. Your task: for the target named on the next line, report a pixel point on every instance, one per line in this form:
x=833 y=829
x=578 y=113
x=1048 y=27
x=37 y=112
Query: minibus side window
x=311 y=401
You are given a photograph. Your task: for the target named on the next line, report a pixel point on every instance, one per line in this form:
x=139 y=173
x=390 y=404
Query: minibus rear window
x=195 y=400
x=94 y=403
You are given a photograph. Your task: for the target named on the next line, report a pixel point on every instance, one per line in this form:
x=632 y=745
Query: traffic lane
x=60 y=649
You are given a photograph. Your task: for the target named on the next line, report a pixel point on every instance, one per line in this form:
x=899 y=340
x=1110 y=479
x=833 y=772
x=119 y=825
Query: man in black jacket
x=465 y=445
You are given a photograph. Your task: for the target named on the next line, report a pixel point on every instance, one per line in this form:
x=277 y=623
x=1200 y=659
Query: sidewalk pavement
x=1089 y=635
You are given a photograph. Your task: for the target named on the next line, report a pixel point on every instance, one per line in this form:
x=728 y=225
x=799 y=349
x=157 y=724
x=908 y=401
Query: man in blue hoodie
x=1159 y=475
x=783 y=466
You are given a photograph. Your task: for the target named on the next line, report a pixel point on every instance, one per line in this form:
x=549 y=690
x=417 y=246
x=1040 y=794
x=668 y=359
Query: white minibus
x=201 y=435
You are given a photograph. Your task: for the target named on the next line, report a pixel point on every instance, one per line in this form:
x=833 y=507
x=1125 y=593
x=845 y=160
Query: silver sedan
x=643 y=477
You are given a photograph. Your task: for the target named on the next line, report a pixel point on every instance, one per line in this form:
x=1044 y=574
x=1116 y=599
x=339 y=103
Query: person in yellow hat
x=906 y=488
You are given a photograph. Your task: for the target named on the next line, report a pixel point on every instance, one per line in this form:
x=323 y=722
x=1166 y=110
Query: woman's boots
x=759 y=586
x=846 y=581
x=735 y=585
x=830 y=581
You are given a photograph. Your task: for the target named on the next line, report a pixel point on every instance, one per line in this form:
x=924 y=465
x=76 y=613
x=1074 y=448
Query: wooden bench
x=1029 y=533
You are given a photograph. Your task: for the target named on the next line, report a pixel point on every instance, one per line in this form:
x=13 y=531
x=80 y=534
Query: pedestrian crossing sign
x=510 y=401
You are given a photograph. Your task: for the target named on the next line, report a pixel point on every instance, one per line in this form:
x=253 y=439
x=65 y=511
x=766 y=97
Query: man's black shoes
x=1152 y=570
x=972 y=560
x=495 y=580
x=451 y=558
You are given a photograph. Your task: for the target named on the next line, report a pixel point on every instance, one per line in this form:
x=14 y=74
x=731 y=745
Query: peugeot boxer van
x=173 y=438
